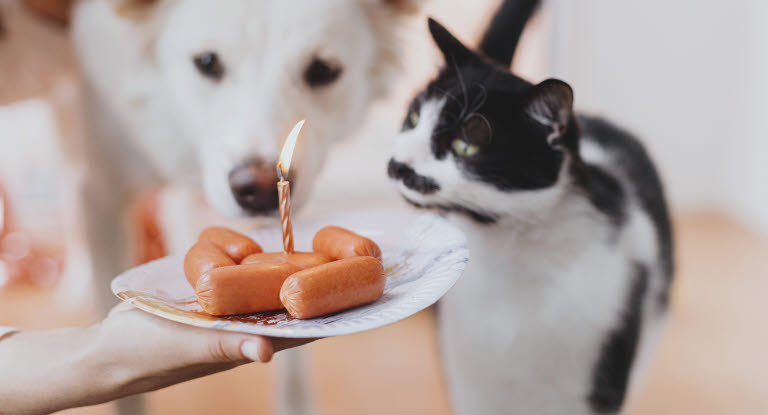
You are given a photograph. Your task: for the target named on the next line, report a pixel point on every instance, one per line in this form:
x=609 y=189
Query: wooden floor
x=712 y=359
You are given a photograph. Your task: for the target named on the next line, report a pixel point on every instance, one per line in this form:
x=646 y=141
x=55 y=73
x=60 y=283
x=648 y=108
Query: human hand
x=129 y=352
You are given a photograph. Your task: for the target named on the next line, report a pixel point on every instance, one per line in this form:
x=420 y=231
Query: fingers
x=259 y=349
x=192 y=344
x=175 y=344
x=233 y=347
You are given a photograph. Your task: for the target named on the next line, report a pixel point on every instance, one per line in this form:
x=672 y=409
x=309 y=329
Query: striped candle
x=284 y=187
x=284 y=196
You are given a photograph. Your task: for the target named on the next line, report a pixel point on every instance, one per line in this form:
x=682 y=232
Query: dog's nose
x=253 y=184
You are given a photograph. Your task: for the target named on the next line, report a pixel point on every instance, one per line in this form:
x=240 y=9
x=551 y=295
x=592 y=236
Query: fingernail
x=250 y=349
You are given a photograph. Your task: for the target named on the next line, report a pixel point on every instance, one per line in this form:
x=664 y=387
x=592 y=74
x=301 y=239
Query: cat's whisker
x=448 y=95
x=442 y=131
x=487 y=123
x=480 y=99
x=463 y=88
x=450 y=117
x=549 y=237
x=467 y=203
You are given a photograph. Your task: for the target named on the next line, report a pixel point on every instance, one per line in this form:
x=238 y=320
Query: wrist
x=45 y=371
x=100 y=367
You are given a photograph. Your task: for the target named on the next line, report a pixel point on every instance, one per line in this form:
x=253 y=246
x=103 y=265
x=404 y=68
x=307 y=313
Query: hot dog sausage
x=306 y=260
x=242 y=289
x=203 y=257
x=332 y=287
x=235 y=244
x=303 y=260
x=340 y=243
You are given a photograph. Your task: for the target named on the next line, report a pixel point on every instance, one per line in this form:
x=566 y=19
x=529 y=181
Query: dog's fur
x=156 y=117
x=138 y=58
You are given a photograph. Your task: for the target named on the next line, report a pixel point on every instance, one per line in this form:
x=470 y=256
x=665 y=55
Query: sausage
x=333 y=287
x=340 y=243
x=266 y=258
x=303 y=260
x=242 y=289
x=306 y=260
x=203 y=257
x=235 y=244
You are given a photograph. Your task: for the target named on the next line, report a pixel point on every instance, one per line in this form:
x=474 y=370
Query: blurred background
x=688 y=77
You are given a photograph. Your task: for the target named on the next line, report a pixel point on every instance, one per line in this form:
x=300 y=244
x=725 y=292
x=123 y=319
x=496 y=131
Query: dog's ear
x=453 y=50
x=388 y=19
x=403 y=6
x=399 y=7
x=135 y=9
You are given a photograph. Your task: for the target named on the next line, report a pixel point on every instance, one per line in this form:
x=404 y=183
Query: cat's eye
x=413 y=119
x=463 y=148
x=209 y=65
x=321 y=72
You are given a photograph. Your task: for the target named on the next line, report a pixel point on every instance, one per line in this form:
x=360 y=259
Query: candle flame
x=284 y=163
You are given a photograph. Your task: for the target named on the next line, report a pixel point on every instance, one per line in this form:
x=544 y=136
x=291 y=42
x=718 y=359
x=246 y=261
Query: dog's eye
x=463 y=148
x=321 y=72
x=209 y=65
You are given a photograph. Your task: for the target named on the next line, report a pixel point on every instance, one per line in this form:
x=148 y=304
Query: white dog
x=204 y=92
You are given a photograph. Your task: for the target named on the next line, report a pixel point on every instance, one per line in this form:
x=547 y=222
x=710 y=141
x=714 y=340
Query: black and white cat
x=570 y=241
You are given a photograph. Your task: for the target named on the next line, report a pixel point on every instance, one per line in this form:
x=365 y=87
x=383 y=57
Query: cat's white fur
x=522 y=330
x=413 y=148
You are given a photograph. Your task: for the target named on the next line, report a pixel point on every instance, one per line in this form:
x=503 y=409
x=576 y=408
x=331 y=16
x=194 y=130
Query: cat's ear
x=550 y=104
x=453 y=50
x=404 y=6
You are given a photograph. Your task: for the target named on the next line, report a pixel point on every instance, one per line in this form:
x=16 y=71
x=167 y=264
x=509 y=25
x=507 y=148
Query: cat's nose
x=253 y=184
x=399 y=171
x=412 y=180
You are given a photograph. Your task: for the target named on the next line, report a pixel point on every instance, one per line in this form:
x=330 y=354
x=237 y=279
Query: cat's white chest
x=522 y=329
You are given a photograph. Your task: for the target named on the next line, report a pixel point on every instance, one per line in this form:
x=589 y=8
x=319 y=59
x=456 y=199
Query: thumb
x=226 y=347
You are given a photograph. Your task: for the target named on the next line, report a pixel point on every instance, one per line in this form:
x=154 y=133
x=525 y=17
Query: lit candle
x=284 y=187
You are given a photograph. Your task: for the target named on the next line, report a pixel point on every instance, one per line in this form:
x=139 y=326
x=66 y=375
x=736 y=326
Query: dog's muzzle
x=412 y=180
x=254 y=186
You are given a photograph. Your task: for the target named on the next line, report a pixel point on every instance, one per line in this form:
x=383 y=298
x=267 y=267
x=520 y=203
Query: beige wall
x=688 y=76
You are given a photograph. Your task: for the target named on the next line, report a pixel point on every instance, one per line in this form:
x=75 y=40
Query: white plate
x=423 y=257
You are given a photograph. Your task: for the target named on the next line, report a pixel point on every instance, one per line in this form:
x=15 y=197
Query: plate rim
x=144 y=301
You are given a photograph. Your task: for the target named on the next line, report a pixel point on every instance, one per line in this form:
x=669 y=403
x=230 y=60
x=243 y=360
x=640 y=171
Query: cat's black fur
x=500 y=40
x=611 y=374
x=487 y=106
x=414 y=181
x=645 y=182
x=526 y=134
